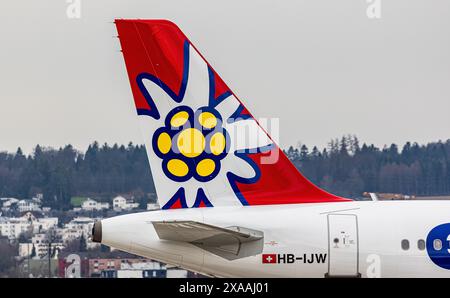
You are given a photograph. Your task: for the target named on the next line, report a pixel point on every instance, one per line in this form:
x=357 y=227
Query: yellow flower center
x=191 y=151
x=191 y=142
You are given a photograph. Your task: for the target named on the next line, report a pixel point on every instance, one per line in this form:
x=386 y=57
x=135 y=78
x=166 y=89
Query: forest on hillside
x=345 y=167
x=60 y=174
x=349 y=168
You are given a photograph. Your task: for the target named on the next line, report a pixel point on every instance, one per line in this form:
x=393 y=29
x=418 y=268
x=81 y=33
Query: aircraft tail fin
x=204 y=147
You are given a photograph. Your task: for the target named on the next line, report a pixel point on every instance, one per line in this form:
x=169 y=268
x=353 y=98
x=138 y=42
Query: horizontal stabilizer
x=230 y=243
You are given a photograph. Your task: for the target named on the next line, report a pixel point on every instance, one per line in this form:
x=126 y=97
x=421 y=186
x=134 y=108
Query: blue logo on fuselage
x=438 y=245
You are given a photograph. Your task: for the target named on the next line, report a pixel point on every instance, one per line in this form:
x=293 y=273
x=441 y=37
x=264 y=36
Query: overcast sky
x=321 y=66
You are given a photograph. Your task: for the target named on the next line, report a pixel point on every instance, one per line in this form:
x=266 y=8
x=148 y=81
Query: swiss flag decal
x=269 y=258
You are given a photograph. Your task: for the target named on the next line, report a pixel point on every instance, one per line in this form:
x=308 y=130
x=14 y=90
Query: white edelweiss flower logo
x=191 y=144
x=200 y=149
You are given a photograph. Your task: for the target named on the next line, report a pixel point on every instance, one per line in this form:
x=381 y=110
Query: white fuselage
x=367 y=239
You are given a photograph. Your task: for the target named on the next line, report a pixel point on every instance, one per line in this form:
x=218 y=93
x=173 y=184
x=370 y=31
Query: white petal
x=227 y=107
x=197 y=89
x=247 y=134
x=164 y=103
x=240 y=167
x=219 y=191
x=190 y=189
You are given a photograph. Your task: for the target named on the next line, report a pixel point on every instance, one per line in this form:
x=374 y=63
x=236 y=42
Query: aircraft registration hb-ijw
x=232 y=204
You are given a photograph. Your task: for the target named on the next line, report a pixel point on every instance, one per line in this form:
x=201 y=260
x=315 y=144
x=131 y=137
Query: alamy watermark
x=374 y=267
x=74 y=269
x=373 y=10
x=73 y=10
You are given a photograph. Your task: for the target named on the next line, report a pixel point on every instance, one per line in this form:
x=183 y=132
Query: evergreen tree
x=33 y=252
x=83 y=244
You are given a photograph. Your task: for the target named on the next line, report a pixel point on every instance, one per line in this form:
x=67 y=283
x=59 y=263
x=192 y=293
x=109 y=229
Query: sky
x=321 y=66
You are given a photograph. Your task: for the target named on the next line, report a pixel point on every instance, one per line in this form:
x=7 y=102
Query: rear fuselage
x=367 y=239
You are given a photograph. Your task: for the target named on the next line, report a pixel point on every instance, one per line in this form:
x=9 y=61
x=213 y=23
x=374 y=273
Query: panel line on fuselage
x=340 y=210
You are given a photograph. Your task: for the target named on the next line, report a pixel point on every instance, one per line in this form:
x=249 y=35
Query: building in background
x=126 y=268
x=40 y=250
x=176 y=273
x=153 y=206
x=143 y=269
x=121 y=203
x=8 y=203
x=14 y=226
x=28 y=205
x=76 y=228
x=90 y=205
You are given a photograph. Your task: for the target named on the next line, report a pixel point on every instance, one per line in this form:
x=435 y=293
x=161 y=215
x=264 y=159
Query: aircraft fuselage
x=348 y=239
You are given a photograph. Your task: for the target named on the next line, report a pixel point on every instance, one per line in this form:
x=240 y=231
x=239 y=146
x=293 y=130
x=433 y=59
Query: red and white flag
x=269 y=258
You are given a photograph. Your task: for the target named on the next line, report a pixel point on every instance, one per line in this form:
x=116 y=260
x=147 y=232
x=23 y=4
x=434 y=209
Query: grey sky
x=321 y=66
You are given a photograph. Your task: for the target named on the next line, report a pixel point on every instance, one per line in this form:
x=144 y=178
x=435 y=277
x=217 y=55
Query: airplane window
x=405 y=244
x=437 y=244
x=421 y=244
